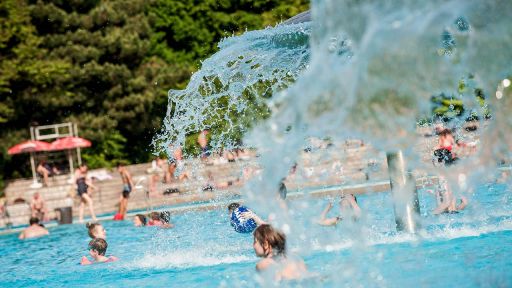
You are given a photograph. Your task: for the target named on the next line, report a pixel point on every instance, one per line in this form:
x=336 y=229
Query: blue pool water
x=469 y=249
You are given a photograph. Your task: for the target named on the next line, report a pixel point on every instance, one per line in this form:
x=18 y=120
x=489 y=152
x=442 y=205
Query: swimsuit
x=205 y=152
x=444 y=155
x=39 y=212
x=449 y=148
x=241 y=225
x=126 y=190
x=81 y=186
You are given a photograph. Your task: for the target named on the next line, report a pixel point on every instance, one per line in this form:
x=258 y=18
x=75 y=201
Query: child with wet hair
x=97 y=249
x=96 y=230
x=270 y=244
x=140 y=220
x=161 y=220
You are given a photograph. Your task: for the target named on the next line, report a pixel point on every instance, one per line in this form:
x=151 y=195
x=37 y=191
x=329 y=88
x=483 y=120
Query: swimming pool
x=469 y=249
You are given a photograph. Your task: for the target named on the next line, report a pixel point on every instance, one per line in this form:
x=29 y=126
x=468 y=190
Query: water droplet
x=286 y=229
x=506 y=83
x=447 y=42
x=462 y=24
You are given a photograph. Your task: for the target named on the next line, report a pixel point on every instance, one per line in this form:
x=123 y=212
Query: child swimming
x=270 y=244
x=140 y=220
x=161 y=220
x=446 y=200
x=242 y=219
x=97 y=250
x=96 y=230
x=348 y=209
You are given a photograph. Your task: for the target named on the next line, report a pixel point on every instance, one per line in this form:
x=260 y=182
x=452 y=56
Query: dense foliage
x=448 y=107
x=107 y=65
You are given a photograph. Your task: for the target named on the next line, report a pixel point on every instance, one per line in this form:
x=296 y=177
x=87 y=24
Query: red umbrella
x=29 y=146
x=69 y=143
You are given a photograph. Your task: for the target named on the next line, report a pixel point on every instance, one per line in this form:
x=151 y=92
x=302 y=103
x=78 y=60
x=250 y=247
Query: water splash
x=235 y=86
x=403 y=53
x=365 y=69
x=186 y=259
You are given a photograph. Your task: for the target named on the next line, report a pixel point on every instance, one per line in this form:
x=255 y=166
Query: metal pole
x=405 y=195
x=70 y=159
x=32 y=135
x=33 y=165
x=78 y=154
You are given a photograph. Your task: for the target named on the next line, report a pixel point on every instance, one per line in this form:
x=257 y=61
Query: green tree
x=107 y=65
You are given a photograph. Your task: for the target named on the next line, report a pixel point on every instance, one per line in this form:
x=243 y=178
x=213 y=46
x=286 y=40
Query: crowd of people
x=269 y=243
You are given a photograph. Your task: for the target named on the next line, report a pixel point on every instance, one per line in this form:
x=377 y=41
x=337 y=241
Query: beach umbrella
x=29 y=146
x=69 y=143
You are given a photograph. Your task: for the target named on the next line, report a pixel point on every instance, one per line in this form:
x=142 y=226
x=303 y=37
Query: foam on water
x=187 y=259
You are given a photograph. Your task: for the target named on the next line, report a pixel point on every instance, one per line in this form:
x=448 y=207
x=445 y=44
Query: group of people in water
x=98 y=245
x=269 y=243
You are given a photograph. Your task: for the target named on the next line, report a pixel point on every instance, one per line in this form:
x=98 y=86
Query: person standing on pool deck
x=202 y=140
x=38 y=207
x=82 y=187
x=34 y=230
x=127 y=188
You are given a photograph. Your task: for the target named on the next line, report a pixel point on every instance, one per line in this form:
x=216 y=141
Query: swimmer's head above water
x=33 y=220
x=96 y=230
x=98 y=246
x=232 y=207
x=140 y=220
x=345 y=200
x=269 y=241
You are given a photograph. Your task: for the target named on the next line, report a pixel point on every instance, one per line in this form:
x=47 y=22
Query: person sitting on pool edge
x=97 y=249
x=242 y=219
x=348 y=208
x=270 y=244
x=34 y=230
x=140 y=220
x=96 y=230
